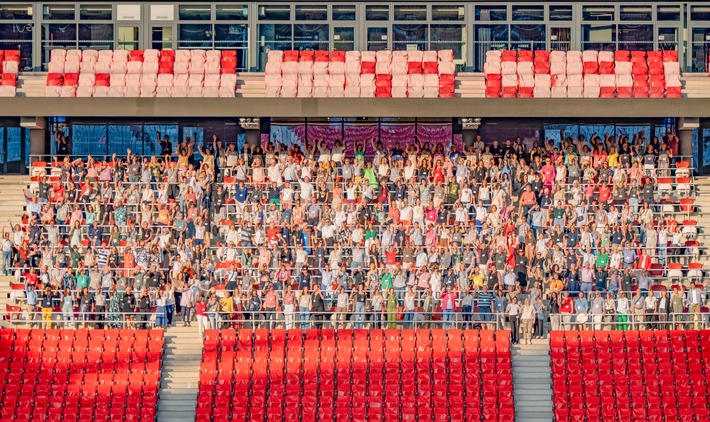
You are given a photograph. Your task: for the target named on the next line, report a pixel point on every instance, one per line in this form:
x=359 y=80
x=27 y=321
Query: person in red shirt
x=391 y=257
x=566 y=309
x=203 y=321
x=604 y=193
x=273 y=233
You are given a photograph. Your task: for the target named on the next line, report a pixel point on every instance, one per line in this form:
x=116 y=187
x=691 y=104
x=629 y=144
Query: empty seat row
x=9 y=68
x=80 y=375
x=330 y=374
x=630 y=375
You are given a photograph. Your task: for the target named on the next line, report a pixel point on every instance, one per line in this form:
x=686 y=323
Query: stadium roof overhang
x=356 y=107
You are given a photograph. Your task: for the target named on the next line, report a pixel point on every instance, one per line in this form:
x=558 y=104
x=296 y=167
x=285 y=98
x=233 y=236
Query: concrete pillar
x=685 y=146
x=38 y=138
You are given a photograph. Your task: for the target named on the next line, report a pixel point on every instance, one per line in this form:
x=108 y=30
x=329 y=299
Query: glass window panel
x=453 y=12
x=276 y=12
x=15 y=11
x=195 y=35
x=88 y=139
x=196 y=133
x=560 y=13
x=232 y=12
x=491 y=13
x=278 y=35
x=632 y=130
x=231 y=36
x=59 y=34
x=668 y=13
x=150 y=136
x=17 y=36
x=410 y=13
x=668 y=38
x=600 y=130
x=344 y=38
x=59 y=12
x=489 y=37
x=527 y=37
x=700 y=48
x=559 y=132
x=448 y=37
x=706 y=149
x=377 y=13
x=344 y=12
x=96 y=35
x=123 y=137
x=599 y=37
x=598 y=13
x=2 y=147
x=128 y=37
x=700 y=13
x=311 y=36
x=195 y=12
x=312 y=12
x=14 y=140
x=377 y=38
x=528 y=13
x=96 y=12
x=636 y=13
x=635 y=37
x=410 y=37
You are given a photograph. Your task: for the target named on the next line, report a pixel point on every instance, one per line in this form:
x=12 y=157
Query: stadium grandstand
x=354 y=211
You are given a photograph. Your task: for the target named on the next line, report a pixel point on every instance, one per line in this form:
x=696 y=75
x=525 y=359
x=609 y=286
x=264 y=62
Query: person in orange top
x=129 y=263
x=528 y=199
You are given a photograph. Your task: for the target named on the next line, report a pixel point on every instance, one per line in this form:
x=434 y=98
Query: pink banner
x=360 y=135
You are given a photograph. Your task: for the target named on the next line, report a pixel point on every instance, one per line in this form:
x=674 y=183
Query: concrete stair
x=696 y=85
x=532 y=381
x=31 y=84
x=470 y=85
x=181 y=375
x=251 y=85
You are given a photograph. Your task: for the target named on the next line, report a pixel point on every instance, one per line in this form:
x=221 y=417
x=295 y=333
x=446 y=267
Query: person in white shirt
x=527 y=319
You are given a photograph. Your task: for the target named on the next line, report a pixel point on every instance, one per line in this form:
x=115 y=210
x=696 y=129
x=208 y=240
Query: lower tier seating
x=79 y=375
x=358 y=375
x=630 y=375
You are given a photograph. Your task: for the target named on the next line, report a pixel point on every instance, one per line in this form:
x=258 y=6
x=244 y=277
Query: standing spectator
x=161 y=316
x=623 y=308
x=318 y=306
x=677 y=304
x=609 y=311
x=304 y=308
x=527 y=318
x=500 y=304
x=359 y=297
x=696 y=299
x=581 y=308
x=144 y=309
x=212 y=311
x=540 y=309
x=201 y=315
x=341 y=308
x=128 y=306
x=68 y=309
x=485 y=306
x=289 y=303
x=650 y=305
x=597 y=310
x=555 y=312
x=100 y=307
x=638 y=306
x=187 y=303
x=226 y=310
x=664 y=308
x=513 y=310
x=271 y=302
x=114 y=309
x=86 y=305
x=377 y=305
x=409 y=307
x=30 y=303
x=47 y=306
x=448 y=306
x=467 y=308
x=170 y=304
x=392 y=304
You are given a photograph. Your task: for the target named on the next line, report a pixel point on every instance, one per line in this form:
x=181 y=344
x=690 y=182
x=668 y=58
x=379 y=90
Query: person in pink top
x=448 y=305
x=548 y=174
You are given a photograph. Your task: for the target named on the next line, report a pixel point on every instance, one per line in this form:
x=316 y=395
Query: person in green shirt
x=392 y=305
x=370 y=232
x=558 y=213
x=82 y=279
x=76 y=257
x=454 y=188
x=369 y=174
x=602 y=258
x=386 y=281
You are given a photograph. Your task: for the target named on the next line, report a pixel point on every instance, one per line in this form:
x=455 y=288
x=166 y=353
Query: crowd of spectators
x=358 y=235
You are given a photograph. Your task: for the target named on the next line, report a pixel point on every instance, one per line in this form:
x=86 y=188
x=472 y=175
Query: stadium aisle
x=181 y=374
x=531 y=378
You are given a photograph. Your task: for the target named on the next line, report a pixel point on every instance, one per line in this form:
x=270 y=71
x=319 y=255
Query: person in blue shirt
x=31 y=303
x=241 y=193
x=581 y=307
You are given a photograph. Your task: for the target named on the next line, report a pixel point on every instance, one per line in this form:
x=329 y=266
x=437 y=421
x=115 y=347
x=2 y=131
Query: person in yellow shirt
x=477 y=279
x=613 y=157
x=556 y=285
x=226 y=305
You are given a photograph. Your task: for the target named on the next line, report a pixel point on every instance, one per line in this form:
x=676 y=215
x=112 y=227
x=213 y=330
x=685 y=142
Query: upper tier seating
x=589 y=74
x=79 y=375
x=9 y=67
x=630 y=375
x=381 y=375
x=138 y=73
x=381 y=74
